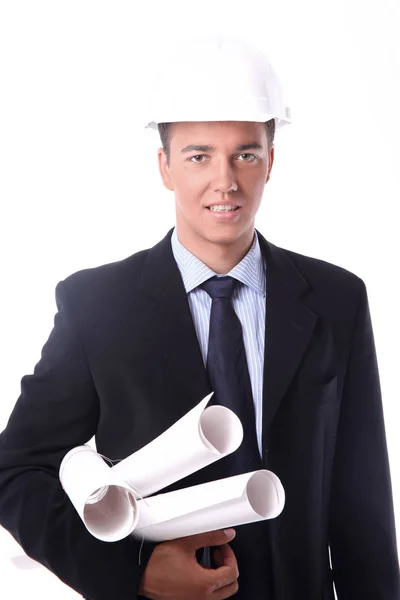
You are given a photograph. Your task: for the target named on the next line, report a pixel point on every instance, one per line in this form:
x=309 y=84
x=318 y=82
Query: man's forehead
x=199 y=126
x=201 y=136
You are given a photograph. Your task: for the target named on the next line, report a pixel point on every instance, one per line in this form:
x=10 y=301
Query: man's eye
x=252 y=155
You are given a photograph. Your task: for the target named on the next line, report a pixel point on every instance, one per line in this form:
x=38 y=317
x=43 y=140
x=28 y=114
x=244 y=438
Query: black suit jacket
x=123 y=363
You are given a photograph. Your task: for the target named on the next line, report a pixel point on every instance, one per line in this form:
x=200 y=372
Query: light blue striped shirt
x=248 y=301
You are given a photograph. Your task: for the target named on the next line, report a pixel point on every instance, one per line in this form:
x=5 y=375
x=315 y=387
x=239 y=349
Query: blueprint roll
x=105 y=502
x=106 y=499
x=219 y=504
x=201 y=437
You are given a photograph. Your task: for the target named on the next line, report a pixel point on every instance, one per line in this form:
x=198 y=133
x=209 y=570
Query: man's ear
x=271 y=157
x=164 y=169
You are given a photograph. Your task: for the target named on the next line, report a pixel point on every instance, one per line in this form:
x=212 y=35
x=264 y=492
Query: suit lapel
x=289 y=326
x=172 y=327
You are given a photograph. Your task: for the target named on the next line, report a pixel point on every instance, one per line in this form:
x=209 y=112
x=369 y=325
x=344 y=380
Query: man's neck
x=221 y=258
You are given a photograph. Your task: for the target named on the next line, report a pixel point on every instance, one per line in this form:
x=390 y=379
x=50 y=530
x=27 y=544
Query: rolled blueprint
x=229 y=502
x=199 y=438
x=104 y=501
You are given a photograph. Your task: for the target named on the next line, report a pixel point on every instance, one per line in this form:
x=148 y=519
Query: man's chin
x=226 y=237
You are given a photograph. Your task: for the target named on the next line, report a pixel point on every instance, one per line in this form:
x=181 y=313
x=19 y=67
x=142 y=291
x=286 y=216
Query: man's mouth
x=223 y=208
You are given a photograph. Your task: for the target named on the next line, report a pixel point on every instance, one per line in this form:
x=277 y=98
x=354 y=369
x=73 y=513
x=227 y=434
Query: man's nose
x=225 y=180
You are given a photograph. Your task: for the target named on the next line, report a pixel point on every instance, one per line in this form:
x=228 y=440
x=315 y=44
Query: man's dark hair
x=164 y=129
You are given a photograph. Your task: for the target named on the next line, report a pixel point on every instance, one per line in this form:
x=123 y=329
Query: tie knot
x=220 y=287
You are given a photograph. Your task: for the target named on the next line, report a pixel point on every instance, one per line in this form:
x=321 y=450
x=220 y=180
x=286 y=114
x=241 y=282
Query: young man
x=130 y=352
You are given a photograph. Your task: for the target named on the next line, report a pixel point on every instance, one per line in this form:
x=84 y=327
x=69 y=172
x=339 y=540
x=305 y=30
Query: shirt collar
x=250 y=270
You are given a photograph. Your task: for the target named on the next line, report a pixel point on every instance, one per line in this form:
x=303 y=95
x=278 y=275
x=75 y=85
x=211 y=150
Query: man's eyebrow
x=240 y=148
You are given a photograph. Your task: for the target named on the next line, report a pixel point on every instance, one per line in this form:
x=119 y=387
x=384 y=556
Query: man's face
x=208 y=160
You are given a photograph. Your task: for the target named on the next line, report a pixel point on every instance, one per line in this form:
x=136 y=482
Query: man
x=128 y=356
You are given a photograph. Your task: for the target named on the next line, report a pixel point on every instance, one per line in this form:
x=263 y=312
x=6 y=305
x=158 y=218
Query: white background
x=79 y=183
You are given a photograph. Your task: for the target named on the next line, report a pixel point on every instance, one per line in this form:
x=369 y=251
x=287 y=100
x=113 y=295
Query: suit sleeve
x=362 y=527
x=57 y=410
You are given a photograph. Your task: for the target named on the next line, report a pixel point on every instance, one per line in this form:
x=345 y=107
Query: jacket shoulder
x=333 y=292
x=107 y=280
x=319 y=271
x=330 y=290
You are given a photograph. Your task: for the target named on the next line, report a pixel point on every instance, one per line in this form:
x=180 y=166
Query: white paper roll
x=229 y=502
x=199 y=438
x=104 y=501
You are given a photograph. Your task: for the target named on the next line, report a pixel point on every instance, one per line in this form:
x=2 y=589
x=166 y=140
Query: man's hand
x=173 y=572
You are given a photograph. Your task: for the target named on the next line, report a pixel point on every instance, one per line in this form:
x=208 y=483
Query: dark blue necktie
x=229 y=378
x=229 y=374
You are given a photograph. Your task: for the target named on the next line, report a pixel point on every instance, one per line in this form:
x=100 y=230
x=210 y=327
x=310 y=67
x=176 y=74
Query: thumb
x=211 y=538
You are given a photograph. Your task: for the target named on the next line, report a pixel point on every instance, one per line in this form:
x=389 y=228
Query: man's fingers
x=225 y=592
x=221 y=577
x=217 y=557
x=211 y=538
x=224 y=583
x=224 y=555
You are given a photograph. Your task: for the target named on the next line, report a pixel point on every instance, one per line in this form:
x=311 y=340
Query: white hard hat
x=216 y=78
